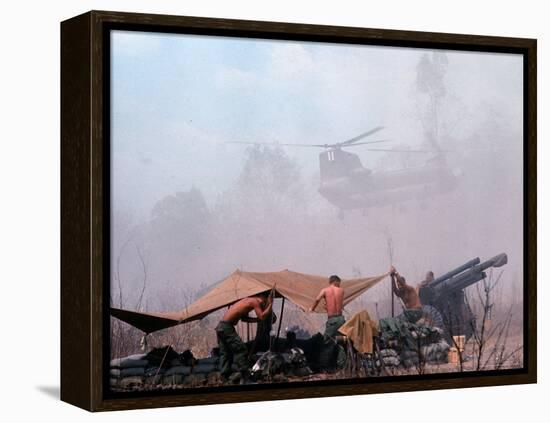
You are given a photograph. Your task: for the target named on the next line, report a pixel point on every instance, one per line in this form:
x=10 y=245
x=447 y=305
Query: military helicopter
x=348 y=185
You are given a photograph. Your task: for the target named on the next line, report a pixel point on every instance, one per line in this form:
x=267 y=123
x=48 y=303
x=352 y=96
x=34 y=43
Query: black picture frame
x=85 y=207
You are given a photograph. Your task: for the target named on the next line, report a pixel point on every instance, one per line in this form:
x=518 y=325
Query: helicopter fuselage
x=348 y=185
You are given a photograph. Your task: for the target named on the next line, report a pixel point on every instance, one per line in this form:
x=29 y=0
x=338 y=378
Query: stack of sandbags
x=128 y=372
x=195 y=375
x=176 y=375
x=436 y=352
x=154 y=370
x=390 y=357
x=206 y=365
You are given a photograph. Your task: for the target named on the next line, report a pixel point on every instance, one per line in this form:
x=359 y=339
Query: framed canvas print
x=259 y=210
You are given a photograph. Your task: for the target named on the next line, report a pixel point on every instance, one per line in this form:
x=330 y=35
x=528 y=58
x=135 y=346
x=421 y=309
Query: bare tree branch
x=144 y=283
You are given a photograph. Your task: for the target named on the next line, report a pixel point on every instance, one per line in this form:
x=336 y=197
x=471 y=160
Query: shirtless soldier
x=427 y=280
x=409 y=295
x=232 y=348
x=334 y=298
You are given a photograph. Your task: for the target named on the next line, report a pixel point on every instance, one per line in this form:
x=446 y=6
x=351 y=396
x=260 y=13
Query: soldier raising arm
x=404 y=291
x=408 y=294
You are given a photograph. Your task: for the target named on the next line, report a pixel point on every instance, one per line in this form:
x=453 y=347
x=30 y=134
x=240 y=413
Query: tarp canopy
x=300 y=288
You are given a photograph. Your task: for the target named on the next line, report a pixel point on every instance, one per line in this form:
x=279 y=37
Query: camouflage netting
x=408 y=344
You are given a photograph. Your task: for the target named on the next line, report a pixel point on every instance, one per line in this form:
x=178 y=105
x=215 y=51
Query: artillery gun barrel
x=497 y=261
x=454 y=272
x=460 y=282
x=470 y=276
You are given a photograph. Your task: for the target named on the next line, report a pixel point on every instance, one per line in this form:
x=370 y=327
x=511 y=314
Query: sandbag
x=196 y=379
x=389 y=352
x=436 y=353
x=133 y=382
x=208 y=360
x=391 y=361
x=204 y=368
x=154 y=379
x=136 y=360
x=151 y=371
x=173 y=379
x=215 y=378
x=132 y=371
x=179 y=370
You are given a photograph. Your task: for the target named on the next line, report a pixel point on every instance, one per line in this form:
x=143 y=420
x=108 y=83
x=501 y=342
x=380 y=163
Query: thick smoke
x=264 y=213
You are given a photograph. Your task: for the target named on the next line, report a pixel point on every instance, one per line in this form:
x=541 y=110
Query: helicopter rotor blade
x=363 y=135
x=307 y=145
x=278 y=143
x=365 y=142
x=251 y=143
x=407 y=151
x=347 y=143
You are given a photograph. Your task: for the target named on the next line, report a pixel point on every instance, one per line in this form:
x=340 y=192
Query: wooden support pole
x=280 y=322
x=392 y=300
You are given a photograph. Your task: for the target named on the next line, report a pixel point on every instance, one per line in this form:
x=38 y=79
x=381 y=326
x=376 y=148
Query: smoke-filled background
x=188 y=208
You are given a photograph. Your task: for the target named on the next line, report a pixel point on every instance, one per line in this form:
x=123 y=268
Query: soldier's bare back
x=241 y=309
x=407 y=293
x=410 y=297
x=334 y=297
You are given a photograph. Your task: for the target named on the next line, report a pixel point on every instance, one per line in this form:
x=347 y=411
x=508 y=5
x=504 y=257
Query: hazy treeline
x=272 y=217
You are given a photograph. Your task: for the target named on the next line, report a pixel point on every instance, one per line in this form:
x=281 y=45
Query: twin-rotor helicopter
x=348 y=185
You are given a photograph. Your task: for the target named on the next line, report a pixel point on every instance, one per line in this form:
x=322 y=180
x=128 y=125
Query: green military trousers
x=333 y=324
x=232 y=349
x=331 y=330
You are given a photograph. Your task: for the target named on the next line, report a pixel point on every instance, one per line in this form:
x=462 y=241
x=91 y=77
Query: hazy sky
x=177 y=98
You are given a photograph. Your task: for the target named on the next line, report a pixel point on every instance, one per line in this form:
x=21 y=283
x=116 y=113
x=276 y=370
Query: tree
x=180 y=221
x=430 y=80
x=268 y=173
x=269 y=186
